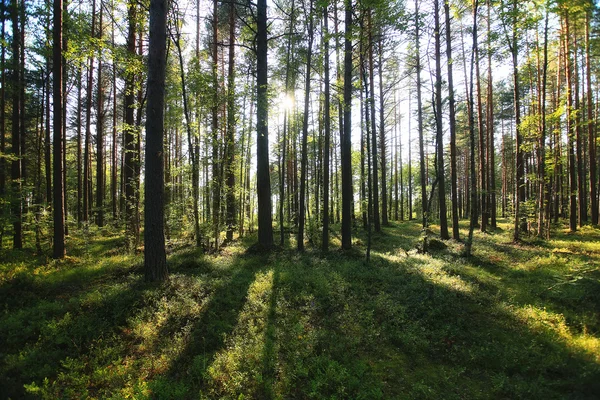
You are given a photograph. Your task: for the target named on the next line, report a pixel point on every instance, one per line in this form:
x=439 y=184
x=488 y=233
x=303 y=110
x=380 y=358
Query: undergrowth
x=512 y=321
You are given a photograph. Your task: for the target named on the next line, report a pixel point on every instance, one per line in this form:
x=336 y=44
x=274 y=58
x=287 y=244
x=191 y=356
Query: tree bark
x=155 y=261
x=230 y=139
x=590 y=124
x=100 y=131
x=131 y=158
x=57 y=62
x=438 y=123
x=327 y=120
x=304 y=155
x=346 y=139
x=16 y=132
x=452 y=122
x=263 y=184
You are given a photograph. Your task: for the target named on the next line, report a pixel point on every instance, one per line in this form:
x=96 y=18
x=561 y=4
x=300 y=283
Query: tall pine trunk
x=452 y=122
x=155 y=260
x=438 y=124
x=57 y=62
x=263 y=184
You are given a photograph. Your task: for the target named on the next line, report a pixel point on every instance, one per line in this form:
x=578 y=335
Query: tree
x=452 y=122
x=155 y=260
x=471 y=112
x=425 y=211
x=327 y=120
x=100 y=131
x=346 y=137
x=438 y=124
x=263 y=184
x=57 y=62
x=131 y=159
x=230 y=138
x=304 y=150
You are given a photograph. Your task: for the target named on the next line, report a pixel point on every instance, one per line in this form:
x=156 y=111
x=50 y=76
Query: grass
x=513 y=321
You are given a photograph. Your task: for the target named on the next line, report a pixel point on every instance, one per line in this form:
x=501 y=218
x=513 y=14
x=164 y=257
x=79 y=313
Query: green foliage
x=513 y=321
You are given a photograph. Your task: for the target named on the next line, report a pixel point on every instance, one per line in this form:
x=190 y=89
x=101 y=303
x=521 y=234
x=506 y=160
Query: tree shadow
x=209 y=330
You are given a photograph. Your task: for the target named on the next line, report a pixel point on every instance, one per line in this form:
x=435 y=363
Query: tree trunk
x=482 y=144
x=16 y=132
x=371 y=102
x=438 y=123
x=230 y=140
x=87 y=178
x=3 y=112
x=346 y=138
x=590 y=124
x=304 y=155
x=520 y=223
x=491 y=149
x=471 y=112
x=216 y=184
x=384 y=203
x=327 y=120
x=418 y=68
x=263 y=180
x=191 y=142
x=57 y=62
x=452 y=122
x=155 y=261
x=571 y=130
x=100 y=133
x=129 y=136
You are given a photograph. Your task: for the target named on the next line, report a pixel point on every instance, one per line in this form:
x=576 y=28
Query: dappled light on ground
x=512 y=321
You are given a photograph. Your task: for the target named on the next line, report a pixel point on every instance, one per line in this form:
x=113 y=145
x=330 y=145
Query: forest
x=303 y=199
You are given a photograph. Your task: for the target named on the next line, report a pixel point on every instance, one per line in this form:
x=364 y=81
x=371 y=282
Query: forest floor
x=513 y=321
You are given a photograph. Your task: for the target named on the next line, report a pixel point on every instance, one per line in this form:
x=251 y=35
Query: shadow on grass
x=187 y=373
x=412 y=335
x=56 y=337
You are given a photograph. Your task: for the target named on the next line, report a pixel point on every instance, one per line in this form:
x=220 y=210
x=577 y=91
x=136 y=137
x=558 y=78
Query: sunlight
x=540 y=320
x=286 y=101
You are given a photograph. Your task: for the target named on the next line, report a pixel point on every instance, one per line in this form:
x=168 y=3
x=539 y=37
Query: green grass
x=513 y=321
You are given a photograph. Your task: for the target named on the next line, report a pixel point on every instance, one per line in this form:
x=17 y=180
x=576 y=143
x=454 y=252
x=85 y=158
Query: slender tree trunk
x=3 y=71
x=581 y=195
x=16 y=132
x=230 y=140
x=542 y=144
x=590 y=123
x=304 y=155
x=384 y=203
x=191 y=142
x=371 y=102
x=57 y=62
x=79 y=142
x=129 y=136
x=425 y=211
x=113 y=168
x=471 y=112
x=346 y=139
x=48 y=141
x=452 y=122
x=327 y=120
x=155 y=260
x=438 y=123
x=482 y=144
x=100 y=132
x=216 y=184
x=490 y=127
x=571 y=130
x=520 y=221
x=410 y=177
x=263 y=181
x=87 y=178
